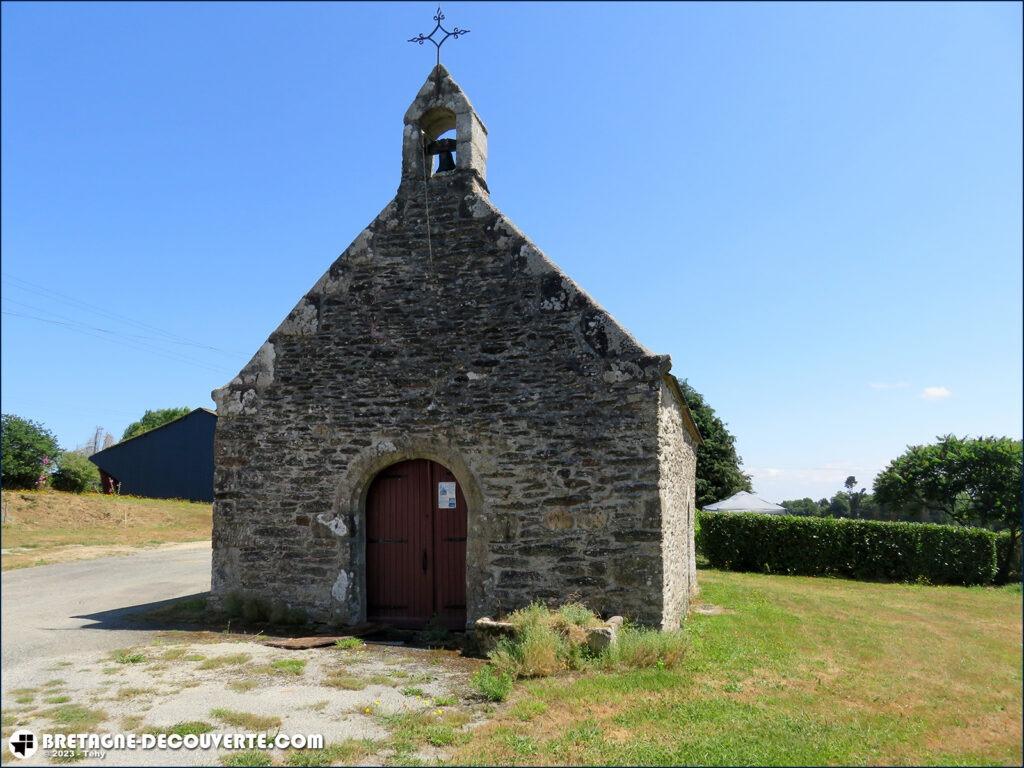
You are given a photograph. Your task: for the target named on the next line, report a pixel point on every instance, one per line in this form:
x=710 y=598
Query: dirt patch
x=988 y=736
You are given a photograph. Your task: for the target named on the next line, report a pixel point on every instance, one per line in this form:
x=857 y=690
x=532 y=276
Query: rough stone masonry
x=469 y=347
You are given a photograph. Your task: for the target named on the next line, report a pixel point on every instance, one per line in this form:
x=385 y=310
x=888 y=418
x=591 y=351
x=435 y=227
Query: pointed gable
x=439 y=106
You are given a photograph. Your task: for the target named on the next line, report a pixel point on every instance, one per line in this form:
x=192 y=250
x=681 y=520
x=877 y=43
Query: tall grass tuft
x=640 y=648
x=548 y=642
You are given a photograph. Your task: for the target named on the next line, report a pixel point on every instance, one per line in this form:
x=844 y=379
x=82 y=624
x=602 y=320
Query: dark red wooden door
x=416 y=546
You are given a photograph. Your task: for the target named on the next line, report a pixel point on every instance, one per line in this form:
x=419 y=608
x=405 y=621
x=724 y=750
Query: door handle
x=424 y=561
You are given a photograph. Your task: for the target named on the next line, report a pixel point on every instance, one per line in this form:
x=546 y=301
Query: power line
x=107 y=335
x=51 y=294
x=50 y=312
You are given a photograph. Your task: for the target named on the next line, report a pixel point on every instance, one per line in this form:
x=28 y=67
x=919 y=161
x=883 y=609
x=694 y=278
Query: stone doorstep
x=489 y=632
x=320 y=641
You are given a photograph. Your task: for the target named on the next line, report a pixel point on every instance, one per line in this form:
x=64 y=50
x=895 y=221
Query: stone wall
x=677 y=452
x=470 y=348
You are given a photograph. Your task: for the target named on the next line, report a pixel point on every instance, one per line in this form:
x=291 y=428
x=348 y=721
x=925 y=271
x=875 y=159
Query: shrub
x=545 y=641
x=26 y=450
x=494 y=684
x=576 y=614
x=75 y=474
x=859 y=549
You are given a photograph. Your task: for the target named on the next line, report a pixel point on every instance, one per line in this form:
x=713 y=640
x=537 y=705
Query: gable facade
x=443 y=334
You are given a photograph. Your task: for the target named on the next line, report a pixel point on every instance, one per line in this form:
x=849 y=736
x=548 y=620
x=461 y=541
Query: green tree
x=28 y=450
x=805 y=507
x=839 y=506
x=971 y=481
x=153 y=419
x=75 y=474
x=854 y=498
x=718 y=465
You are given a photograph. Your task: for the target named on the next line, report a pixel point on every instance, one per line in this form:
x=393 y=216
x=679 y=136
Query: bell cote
x=439 y=108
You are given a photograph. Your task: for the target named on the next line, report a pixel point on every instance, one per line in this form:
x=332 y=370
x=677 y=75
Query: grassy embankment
x=43 y=527
x=797 y=671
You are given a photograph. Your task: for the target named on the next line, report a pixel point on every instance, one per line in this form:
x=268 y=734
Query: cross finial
x=438 y=18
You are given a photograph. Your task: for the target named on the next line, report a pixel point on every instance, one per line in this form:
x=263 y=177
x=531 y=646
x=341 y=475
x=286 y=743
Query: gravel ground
x=76 y=659
x=162 y=685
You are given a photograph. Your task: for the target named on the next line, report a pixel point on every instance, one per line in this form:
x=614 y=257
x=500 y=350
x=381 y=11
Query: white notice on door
x=446 y=495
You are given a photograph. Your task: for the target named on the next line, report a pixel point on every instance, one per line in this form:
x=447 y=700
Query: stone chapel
x=447 y=427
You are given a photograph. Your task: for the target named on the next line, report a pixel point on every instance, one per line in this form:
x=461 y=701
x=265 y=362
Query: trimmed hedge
x=871 y=550
x=1003 y=544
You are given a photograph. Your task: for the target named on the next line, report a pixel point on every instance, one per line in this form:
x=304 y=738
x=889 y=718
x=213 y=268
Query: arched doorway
x=416 y=547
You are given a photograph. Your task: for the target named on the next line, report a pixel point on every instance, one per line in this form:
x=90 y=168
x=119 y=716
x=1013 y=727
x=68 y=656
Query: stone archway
x=350 y=509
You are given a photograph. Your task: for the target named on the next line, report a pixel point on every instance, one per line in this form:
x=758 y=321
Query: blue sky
x=815 y=209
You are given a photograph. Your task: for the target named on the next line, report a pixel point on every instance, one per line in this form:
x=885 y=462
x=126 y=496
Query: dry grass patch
x=347 y=752
x=128 y=693
x=225 y=660
x=132 y=723
x=176 y=653
x=51 y=526
x=348 y=681
x=245 y=720
x=185 y=728
x=74 y=717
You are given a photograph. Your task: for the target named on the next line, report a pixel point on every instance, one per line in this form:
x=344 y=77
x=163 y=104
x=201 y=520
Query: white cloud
x=935 y=393
x=882 y=385
x=816 y=482
x=830 y=472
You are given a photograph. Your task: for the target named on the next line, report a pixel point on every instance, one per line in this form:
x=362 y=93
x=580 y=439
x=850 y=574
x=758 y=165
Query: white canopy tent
x=746 y=502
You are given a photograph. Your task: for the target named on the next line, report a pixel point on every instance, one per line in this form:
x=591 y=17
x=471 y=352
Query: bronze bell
x=445 y=162
x=443 y=148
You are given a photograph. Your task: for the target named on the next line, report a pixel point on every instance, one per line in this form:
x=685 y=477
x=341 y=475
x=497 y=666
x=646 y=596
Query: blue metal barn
x=173 y=461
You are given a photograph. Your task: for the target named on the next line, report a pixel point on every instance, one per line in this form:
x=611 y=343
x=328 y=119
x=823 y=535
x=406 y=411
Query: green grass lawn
x=797 y=671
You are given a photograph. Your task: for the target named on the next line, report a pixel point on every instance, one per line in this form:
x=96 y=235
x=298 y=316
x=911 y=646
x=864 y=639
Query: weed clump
x=348 y=643
x=289 y=666
x=494 y=684
x=127 y=656
x=546 y=642
x=249 y=757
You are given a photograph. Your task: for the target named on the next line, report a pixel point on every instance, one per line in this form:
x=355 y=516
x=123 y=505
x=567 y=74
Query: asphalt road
x=52 y=610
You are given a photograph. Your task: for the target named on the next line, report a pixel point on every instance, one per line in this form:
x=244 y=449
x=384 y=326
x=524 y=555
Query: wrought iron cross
x=438 y=17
